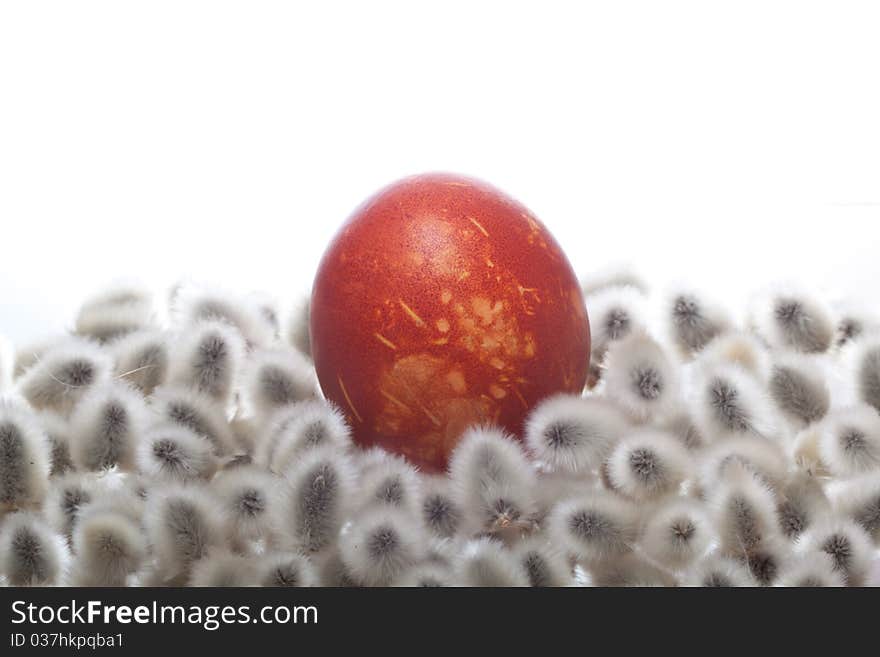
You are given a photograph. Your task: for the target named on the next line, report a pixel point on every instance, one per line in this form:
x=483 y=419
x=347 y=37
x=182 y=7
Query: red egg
x=443 y=303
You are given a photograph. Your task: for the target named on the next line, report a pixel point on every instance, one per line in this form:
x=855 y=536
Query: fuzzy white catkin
x=286 y=570
x=595 y=527
x=63 y=374
x=641 y=378
x=196 y=412
x=790 y=318
x=116 y=312
x=544 y=563
x=847 y=544
x=574 y=434
x=864 y=361
x=193 y=303
x=616 y=312
x=247 y=497
x=109 y=546
x=106 y=426
x=678 y=533
x=379 y=545
x=143 y=359
x=798 y=388
x=24 y=457
x=201 y=452
x=850 y=441
x=719 y=572
x=744 y=510
x=174 y=453
x=276 y=378
x=693 y=321
x=31 y=554
x=394 y=483
x=648 y=464
x=67 y=495
x=208 y=358
x=493 y=480
x=293 y=429
x=320 y=488
x=183 y=525
x=728 y=402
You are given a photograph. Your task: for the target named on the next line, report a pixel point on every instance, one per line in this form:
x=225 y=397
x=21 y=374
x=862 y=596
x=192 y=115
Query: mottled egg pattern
x=441 y=303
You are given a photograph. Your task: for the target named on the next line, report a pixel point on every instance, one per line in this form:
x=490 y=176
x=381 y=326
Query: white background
x=728 y=144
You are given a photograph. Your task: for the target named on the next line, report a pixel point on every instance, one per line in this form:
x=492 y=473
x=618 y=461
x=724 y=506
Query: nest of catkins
x=192 y=447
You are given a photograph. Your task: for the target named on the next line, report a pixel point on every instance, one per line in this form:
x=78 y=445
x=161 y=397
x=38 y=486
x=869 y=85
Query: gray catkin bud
x=192 y=304
x=247 y=497
x=616 y=312
x=858 y=498
x=569 y=433
x=648 y=464
x=183 y=524
x=544 y=564
x=58 y=434
x=24 y=457
x=287 y=570
x=31 y=554
x=849 y=444
x=640 y=377
x=799 y=391
x=768 y=560
x=744 y=510
x=68 y=496
x=595 y=527
x=440 y=513
x=320 y=490
x=109 y=546
x=694 y=323
x=865 y=362
x=207 y=358
x=492 y=479
x=174 y=453
x=847 y=544
x=678 y=533
x=800 y=503
x=293 y=430
x=394 y=483
x=196 y=412
x=143 y=359
x=717 y=571
x=106 y=426
x=790 y=318
x=115 y=313
x=380 y=545
x=276 y=378
x=730 y=402
x=63 y=374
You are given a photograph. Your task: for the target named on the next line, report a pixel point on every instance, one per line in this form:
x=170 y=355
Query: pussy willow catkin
x=190 y=446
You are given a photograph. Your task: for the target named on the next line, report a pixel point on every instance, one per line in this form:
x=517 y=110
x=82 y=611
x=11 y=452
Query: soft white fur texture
x=187 y=443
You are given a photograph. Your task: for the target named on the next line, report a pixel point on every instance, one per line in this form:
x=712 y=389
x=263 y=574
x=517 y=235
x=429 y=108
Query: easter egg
x=443 y=303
